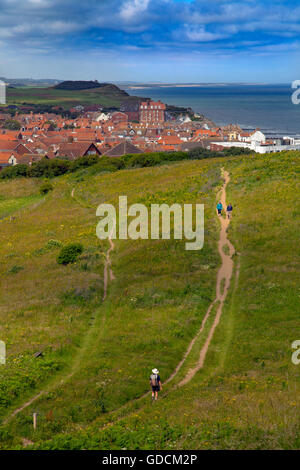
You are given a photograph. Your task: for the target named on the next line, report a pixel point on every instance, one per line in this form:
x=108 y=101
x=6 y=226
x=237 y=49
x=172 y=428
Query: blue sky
x=151 y=40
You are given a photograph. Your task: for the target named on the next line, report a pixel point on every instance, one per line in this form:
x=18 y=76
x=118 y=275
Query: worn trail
x=223 y=279
x=223 y=283
x=107 y=269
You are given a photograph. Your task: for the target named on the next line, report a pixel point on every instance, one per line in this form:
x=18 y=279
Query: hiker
x=155 y=383
x=219 y=208
x=229 y=210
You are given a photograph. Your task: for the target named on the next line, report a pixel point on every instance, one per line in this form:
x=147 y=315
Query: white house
x=258 y=147
x=102 y=117
x=292 y=140
x=257 y=137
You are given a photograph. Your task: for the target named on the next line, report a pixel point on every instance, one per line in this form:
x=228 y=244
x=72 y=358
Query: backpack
x=154 y=381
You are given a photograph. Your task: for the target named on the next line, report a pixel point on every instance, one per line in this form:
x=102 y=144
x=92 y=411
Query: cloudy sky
x=151 y=40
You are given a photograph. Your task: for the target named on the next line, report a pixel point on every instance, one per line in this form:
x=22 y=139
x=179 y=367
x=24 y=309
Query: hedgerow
x=46 y=168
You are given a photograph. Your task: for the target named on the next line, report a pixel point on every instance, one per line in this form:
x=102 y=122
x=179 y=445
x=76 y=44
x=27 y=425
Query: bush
x=46 y=187
x=83 y=162
x=53 y=244
x=231 y=151
x=69 y=253
x=61 y=165
x=15 y=269
x=49 y=168
x=16 y=171
x=152 y=159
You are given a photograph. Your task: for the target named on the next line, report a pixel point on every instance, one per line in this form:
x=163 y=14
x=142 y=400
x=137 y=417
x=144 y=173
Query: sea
x=268 y=107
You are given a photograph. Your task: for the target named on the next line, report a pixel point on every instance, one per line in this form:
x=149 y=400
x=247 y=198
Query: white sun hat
x=155 y=371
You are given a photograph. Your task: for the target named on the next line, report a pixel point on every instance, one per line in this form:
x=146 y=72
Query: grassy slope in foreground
x=247 y=395
x=155 y=305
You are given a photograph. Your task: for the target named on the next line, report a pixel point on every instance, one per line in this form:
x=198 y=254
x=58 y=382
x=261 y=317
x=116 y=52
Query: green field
x=97 y=356
x=105 y=96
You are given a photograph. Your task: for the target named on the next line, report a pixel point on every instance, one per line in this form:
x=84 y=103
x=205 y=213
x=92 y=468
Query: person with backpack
x=229 y=210
x=155 y=383
x=219 y=208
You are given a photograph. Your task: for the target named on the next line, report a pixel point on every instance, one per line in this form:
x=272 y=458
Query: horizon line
x=141 y=82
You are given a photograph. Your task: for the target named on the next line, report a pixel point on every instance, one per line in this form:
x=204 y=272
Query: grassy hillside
x=106 y=96
x=97 y=355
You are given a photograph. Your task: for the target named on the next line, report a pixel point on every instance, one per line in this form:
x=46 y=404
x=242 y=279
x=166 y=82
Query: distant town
x=140 y=126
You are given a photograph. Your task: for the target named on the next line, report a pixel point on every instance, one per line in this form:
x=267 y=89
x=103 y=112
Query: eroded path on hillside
x=222 y=286
x=107 y=264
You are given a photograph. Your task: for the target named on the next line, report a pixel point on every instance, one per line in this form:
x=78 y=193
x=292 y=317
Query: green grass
x=9 y=206
x=98 y=356
x=65 y=98
x=108 y=338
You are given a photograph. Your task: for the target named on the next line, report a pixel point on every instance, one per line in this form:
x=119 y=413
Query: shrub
x=46 y=187
x=15 y=171
x=107 y=164
x=49 y=168
x=15 y=269
x=69 y=253
x=83 y=162
x=53 y=244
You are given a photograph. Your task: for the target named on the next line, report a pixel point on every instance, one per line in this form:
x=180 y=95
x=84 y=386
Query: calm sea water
x=266 y=106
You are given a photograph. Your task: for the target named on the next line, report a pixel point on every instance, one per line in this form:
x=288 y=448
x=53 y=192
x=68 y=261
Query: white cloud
x=131 y=8
x=199 y=34
x=62 y=27
x=40 y=3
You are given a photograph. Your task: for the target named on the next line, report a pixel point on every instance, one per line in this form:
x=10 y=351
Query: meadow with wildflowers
x=97 y=356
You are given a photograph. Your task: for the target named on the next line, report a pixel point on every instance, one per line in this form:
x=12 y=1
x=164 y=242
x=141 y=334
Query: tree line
x=46 y=168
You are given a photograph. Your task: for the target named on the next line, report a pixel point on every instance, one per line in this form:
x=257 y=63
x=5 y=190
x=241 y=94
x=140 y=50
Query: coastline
x=145 y=87
x=268 y=107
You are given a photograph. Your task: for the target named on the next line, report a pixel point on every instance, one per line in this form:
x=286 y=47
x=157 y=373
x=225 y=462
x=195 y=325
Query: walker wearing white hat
x=155 y=383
